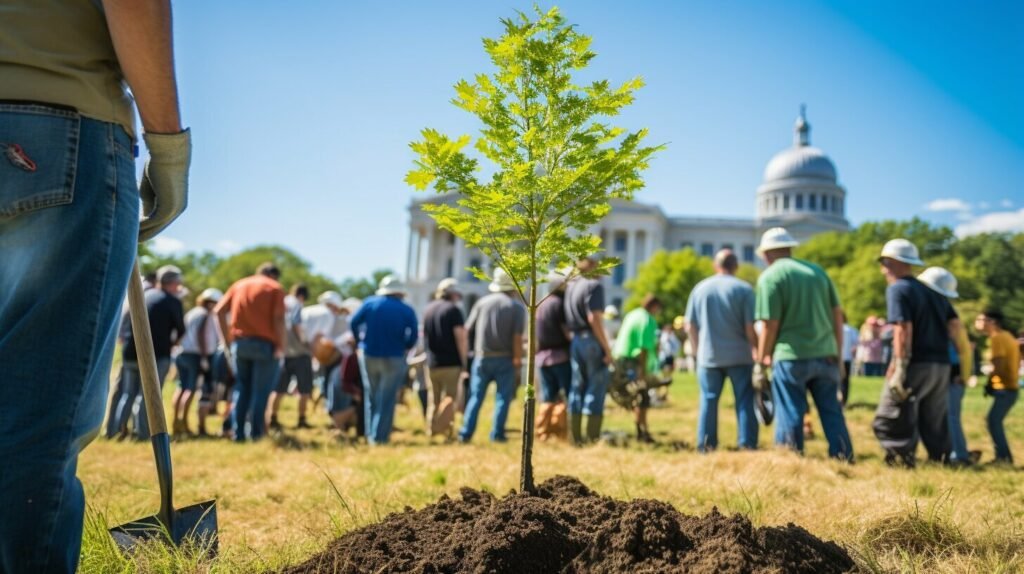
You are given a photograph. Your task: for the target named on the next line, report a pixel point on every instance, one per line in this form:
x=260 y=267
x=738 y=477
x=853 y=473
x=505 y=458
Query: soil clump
x=567 y=528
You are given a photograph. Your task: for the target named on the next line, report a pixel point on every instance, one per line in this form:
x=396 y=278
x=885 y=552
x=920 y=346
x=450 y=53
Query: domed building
x=799 y=191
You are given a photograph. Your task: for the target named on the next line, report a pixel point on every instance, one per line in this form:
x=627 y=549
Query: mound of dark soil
x=568 y=528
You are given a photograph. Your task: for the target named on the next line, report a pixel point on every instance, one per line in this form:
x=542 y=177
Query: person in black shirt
x=915 y=399
x=447 y=347
x=553 y=340
x=167 y=326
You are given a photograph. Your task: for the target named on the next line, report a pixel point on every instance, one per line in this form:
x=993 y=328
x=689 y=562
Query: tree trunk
x=526 y=476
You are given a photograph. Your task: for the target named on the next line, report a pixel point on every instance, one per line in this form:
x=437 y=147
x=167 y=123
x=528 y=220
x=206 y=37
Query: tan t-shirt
x=60 y=52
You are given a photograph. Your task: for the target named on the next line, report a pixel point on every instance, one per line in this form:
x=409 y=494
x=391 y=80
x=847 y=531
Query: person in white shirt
x=197 y=347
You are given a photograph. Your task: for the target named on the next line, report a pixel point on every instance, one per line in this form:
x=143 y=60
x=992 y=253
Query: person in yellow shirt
x=1003 y=384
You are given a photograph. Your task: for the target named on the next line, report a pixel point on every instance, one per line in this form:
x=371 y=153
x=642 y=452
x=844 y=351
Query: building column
x=409 y=252
x=630 y=256
x=458 y=254
x=650 y=248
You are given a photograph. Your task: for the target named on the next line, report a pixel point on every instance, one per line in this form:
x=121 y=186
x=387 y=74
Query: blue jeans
x=503 y=373
x=711 y=380
x=791 y=380
x=957 y=440
x=68 y=233
x=190 y=368
x=590 y=376
x=337 y=399
x=382 y=378
x=555 y=382
x=132 y=402
x=1002 y=402
x=255 y=376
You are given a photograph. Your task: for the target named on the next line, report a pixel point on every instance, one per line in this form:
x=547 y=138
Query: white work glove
x=895 y=381
x=164 y=186
x=760 y=379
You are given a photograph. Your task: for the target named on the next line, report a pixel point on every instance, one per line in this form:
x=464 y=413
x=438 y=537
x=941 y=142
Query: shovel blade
x=194 y=525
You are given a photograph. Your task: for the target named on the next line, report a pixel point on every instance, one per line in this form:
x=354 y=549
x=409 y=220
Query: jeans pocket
x=39 y=149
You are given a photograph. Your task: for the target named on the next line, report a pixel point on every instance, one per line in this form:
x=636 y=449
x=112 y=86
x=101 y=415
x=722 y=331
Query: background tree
x=556 y=164
x=670 y=275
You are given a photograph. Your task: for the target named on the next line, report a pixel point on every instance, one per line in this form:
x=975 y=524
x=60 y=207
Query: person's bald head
x=726 y=262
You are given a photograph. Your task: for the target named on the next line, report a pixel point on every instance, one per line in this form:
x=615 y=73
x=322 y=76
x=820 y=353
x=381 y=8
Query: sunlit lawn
x=277 y=504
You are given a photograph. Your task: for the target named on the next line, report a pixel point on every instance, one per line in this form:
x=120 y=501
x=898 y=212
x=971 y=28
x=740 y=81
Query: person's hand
x=517 y=362
x=760 y=378
x=607 y=357
x=164 y=186
x=842 y=370
x=989 y=388
x=896 y=379
x=204 y=364
x=278 y=353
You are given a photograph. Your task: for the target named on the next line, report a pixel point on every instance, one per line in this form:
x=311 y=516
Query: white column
x=415 y=272
x=650 y=245
x=428 y=249
x=458 y=256
x=630 y=257
x=409 y=252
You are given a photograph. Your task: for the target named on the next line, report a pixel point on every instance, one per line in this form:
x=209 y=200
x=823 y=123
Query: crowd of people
x=781 y=345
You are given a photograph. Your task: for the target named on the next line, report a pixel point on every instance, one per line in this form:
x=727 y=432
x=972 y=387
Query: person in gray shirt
x=720 y=322
x=589 y=352
x=495 y=326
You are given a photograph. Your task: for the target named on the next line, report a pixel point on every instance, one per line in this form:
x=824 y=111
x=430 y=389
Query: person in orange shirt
x=1003 y=384
x=251 y=318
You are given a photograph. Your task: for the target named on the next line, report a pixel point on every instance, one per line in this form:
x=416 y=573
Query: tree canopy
x=555 y=163
x=206 y=269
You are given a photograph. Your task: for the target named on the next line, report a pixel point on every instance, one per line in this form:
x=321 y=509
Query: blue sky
x=302 y=111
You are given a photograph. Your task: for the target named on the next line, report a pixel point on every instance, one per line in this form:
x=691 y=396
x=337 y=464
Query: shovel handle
x=146 y=356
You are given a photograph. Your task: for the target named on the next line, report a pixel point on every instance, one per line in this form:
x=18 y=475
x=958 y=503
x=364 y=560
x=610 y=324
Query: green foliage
x=556 y=162
x=670 y=275
x=206 y=269
x=989 y=267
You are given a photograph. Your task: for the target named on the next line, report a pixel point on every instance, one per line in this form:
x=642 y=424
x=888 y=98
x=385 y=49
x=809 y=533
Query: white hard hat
x=331 y=298
x=940 y=280
x=901 y=250
x=501 y=282
x=776 y=238
x=447 y=285
x=611 y=312
x=391 y=285
x=211 y=294
x=351 y=304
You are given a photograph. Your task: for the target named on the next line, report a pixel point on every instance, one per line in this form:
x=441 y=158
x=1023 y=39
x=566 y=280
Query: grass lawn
x=281 y=500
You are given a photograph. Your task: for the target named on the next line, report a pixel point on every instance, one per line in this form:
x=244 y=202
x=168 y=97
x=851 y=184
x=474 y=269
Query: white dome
x=801 y=161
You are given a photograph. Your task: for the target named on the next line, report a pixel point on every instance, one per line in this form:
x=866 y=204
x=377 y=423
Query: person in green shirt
x=800 y=342
x=636 y=362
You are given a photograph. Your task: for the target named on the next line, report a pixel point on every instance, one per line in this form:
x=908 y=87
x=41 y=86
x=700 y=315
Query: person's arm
x=281 y=329
x=748 y=328
x=141 y=33
x=222 y=310
x=902 y=337
x=837 y=330
x=412 y=333
x=596 y=320
x=964 y=351
x=766 y=343
x=693 y=331
x=517 y=350
x=462 y=344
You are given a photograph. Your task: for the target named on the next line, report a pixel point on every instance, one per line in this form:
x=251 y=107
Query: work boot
x=594 y=427
x=274 y=425
x=576 y=429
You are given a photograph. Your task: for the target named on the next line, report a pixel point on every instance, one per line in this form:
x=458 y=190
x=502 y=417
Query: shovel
x=196 y=524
